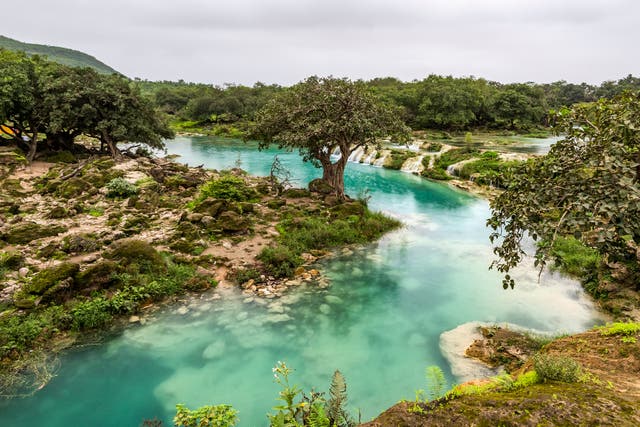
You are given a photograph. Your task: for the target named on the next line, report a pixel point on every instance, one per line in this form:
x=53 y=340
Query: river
x=379 y=322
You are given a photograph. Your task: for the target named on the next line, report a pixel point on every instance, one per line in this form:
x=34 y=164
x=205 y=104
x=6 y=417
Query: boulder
x=49 y=277
x=321 y=186
x=231 y=221
x=28 y=231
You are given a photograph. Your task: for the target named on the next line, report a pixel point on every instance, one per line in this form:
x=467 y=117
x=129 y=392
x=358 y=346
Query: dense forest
x=436 y=102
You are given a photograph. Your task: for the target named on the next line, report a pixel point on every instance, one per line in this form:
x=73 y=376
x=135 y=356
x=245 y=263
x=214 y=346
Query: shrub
x=91 y=314
x=121 y=188
x=280 y=260
x=557 y=368
x=397 y=159
x=227 y=187
x=206 y=416
x=619 y=328
x=574 y=258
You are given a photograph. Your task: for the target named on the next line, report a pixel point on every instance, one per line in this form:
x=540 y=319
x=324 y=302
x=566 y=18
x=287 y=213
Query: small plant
x=620 y=328
x=436 y=383
x=206 y=416
x=121 y=188
x=557 y=368
x=289 y=413
x=96 y=212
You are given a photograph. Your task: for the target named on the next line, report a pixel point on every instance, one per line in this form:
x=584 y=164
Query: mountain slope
x=62 y=55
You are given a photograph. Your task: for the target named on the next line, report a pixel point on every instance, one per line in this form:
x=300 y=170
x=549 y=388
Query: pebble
x=183 y=310
x=134 y=319
x=23 y=272
x=325 y=309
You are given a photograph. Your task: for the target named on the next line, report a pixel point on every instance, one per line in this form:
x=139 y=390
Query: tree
x=121 y=114
x=323 y=116
x=21 y=98
x=588 y=186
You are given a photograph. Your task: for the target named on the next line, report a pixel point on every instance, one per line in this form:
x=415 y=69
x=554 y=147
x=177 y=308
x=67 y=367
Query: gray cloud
x=284 y=41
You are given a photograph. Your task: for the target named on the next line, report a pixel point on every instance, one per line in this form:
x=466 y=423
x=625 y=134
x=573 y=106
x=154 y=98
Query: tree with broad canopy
x=325 y=116
x=587 y=186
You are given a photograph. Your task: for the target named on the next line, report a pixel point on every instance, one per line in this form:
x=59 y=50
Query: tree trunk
x=113 y=149
x=333 y=173
x=33 y=146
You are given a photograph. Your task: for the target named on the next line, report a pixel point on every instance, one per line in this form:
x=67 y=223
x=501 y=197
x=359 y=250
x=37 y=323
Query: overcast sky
x=284 y=41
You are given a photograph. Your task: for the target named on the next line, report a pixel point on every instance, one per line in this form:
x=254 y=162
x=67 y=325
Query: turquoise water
x=379 y=322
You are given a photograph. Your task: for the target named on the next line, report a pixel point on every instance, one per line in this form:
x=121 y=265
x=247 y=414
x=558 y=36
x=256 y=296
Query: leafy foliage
x=557 y=368
x=435 y=381
x=304 y=234
x=320 y=116
x=205 y=416
x=226 y=187
x=120 y=187
x=586 y=187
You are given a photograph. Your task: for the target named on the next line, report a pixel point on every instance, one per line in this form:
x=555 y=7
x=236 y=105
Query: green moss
x=136 y=252
x=74 y=187
x=11 y=260
x=51 y=276
x=300 y=235
x=60 y=157
x=98 y=275
x=80 y=243
x=620 y=328
x=26 y=232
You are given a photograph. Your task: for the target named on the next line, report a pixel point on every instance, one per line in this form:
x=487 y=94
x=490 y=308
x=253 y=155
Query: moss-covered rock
x=321 y=186
x=344 y=210
x=24 y=302
x=99 y=275
x=74 y=187
x=80 y=243
x=50 y=277
x=296 y=193
x=132 y=251
x=12 y=187
x=58 y=212
x=233 y=222
x=276 y=203
x=212 y=207
x=11 y=260
x=28 y=231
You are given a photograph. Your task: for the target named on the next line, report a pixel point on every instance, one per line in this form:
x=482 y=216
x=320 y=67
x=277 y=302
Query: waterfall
x=413 y=165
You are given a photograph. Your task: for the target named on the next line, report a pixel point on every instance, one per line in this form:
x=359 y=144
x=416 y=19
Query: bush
x=227 y=187
x=557 y=368
x=574 y=258
x=397 y=159
x=91 y=314
x=206 y=416
x=121 y=188
x=279 y=260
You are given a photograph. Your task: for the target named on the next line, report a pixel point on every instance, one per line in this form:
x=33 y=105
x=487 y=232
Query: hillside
x=62 y=55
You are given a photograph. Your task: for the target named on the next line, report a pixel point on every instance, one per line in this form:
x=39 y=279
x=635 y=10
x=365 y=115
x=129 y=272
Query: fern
x=318 y=417
x=435 y=381
x=337 y=402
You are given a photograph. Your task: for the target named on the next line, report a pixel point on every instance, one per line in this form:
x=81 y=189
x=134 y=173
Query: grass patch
x=397 y=159
x=299 y=235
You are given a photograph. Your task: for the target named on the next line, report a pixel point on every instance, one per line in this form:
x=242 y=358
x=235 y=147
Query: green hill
x=62 y=55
